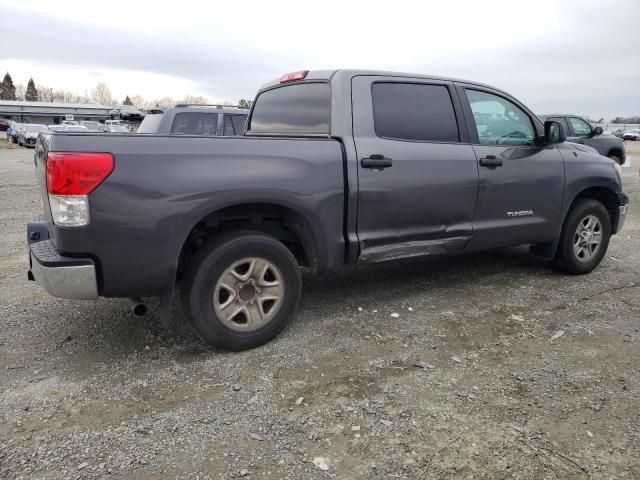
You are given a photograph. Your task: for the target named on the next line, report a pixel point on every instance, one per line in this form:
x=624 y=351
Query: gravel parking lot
x=487 y=365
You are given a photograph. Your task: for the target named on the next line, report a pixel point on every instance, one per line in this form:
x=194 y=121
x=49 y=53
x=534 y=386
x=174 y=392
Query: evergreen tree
x=32 y=93
x=242 y=103
x=7 y=88
x=127 y=101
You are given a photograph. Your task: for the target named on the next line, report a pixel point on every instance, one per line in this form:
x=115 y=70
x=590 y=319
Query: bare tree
x=138 y=101
x=44 y=93
x=193 y=99
x=102 y=94
x=20 y=91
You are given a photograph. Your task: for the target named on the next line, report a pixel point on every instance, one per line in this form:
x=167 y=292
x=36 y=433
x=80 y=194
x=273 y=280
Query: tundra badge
x=520 y=213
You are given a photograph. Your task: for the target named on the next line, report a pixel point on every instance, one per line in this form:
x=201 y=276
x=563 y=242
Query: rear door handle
x=490 y=161
x=376 y=162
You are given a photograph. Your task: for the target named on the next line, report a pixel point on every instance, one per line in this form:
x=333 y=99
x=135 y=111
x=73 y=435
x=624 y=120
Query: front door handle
x=490 y=161
x=581 y=142
x=376 y=162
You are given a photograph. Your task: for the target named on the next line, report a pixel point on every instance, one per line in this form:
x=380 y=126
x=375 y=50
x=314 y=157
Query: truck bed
x=162 y=186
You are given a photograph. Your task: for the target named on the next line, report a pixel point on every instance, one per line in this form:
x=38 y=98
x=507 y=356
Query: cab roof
x=350 y=73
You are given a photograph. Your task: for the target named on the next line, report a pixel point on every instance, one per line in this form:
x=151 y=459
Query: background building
x=51 y=113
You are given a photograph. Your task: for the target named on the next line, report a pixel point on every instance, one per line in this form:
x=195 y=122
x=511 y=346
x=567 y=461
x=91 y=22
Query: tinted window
x=239 y=122
x=301 y=108
x=195 y=123
x=580 y=127
x=228 y=126
x=498 y=121
x=414 y=112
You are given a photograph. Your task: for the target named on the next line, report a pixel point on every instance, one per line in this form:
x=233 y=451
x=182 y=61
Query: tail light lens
x=77 y=173
x=71 y=177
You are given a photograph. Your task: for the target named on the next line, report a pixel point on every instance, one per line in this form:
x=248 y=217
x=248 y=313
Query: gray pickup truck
x=335 y=168
x=579 y=130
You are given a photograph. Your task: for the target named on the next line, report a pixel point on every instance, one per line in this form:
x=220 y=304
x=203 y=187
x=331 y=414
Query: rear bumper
x=60 y=276
x=623 y=202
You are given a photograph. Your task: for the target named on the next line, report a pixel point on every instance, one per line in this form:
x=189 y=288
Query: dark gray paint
x=434 y=199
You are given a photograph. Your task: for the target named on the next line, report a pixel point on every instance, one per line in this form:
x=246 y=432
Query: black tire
x=566 y=259
x=206 y=269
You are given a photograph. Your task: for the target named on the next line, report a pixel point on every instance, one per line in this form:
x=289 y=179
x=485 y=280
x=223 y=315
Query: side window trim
x=468 y=113
x=463 y=136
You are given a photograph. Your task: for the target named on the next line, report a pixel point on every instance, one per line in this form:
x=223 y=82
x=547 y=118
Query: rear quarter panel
x=163 y=185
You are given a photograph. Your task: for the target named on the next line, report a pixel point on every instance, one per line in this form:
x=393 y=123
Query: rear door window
x=234 y=124
x=239 y=123
x=228 y=127
x=195 y=123
x=408 y=111
x=303 y=108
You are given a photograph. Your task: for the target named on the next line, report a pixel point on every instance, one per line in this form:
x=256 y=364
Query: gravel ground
x=488 y=365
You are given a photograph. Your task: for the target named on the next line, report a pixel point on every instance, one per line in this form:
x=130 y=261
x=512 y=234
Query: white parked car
x=633 y=134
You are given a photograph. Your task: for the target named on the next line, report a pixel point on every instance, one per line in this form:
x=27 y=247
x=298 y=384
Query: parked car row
x=26 y=134
x=183 y=119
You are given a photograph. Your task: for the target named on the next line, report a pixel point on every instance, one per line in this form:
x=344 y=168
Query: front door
x=417 y=173
x=521 y=184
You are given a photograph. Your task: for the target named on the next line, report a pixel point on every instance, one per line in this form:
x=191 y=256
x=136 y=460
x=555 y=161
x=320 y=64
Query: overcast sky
x=578 y=56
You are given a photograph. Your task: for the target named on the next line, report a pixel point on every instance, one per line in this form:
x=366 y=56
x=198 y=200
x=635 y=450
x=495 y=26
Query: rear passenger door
x=521 y=183
x=417 y=174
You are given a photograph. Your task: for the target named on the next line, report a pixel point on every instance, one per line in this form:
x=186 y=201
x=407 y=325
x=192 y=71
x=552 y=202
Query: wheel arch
x=604 y=195
x=618 y=152
x=284 y=222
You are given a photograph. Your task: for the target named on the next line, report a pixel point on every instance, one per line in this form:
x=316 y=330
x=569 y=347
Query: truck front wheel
x=242 y=290
x=585 y=237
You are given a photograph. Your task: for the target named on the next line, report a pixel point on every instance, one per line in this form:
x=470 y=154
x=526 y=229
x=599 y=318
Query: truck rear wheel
x=242 y=290
x=584 y=239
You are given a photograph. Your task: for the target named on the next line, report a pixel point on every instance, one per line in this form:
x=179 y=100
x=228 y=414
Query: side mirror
x=596 y=131
x=554 y=132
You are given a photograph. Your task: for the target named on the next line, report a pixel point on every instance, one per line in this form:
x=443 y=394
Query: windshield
x=36 y=128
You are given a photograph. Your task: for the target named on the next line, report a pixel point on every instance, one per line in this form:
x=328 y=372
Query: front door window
x=498 y=121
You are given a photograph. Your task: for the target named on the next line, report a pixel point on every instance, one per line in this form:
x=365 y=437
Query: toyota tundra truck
x=335 y=168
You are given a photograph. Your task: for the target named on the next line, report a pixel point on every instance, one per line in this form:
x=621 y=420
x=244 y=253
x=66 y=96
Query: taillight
x=293 y=76
x=71 y=177
x=77 y=173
